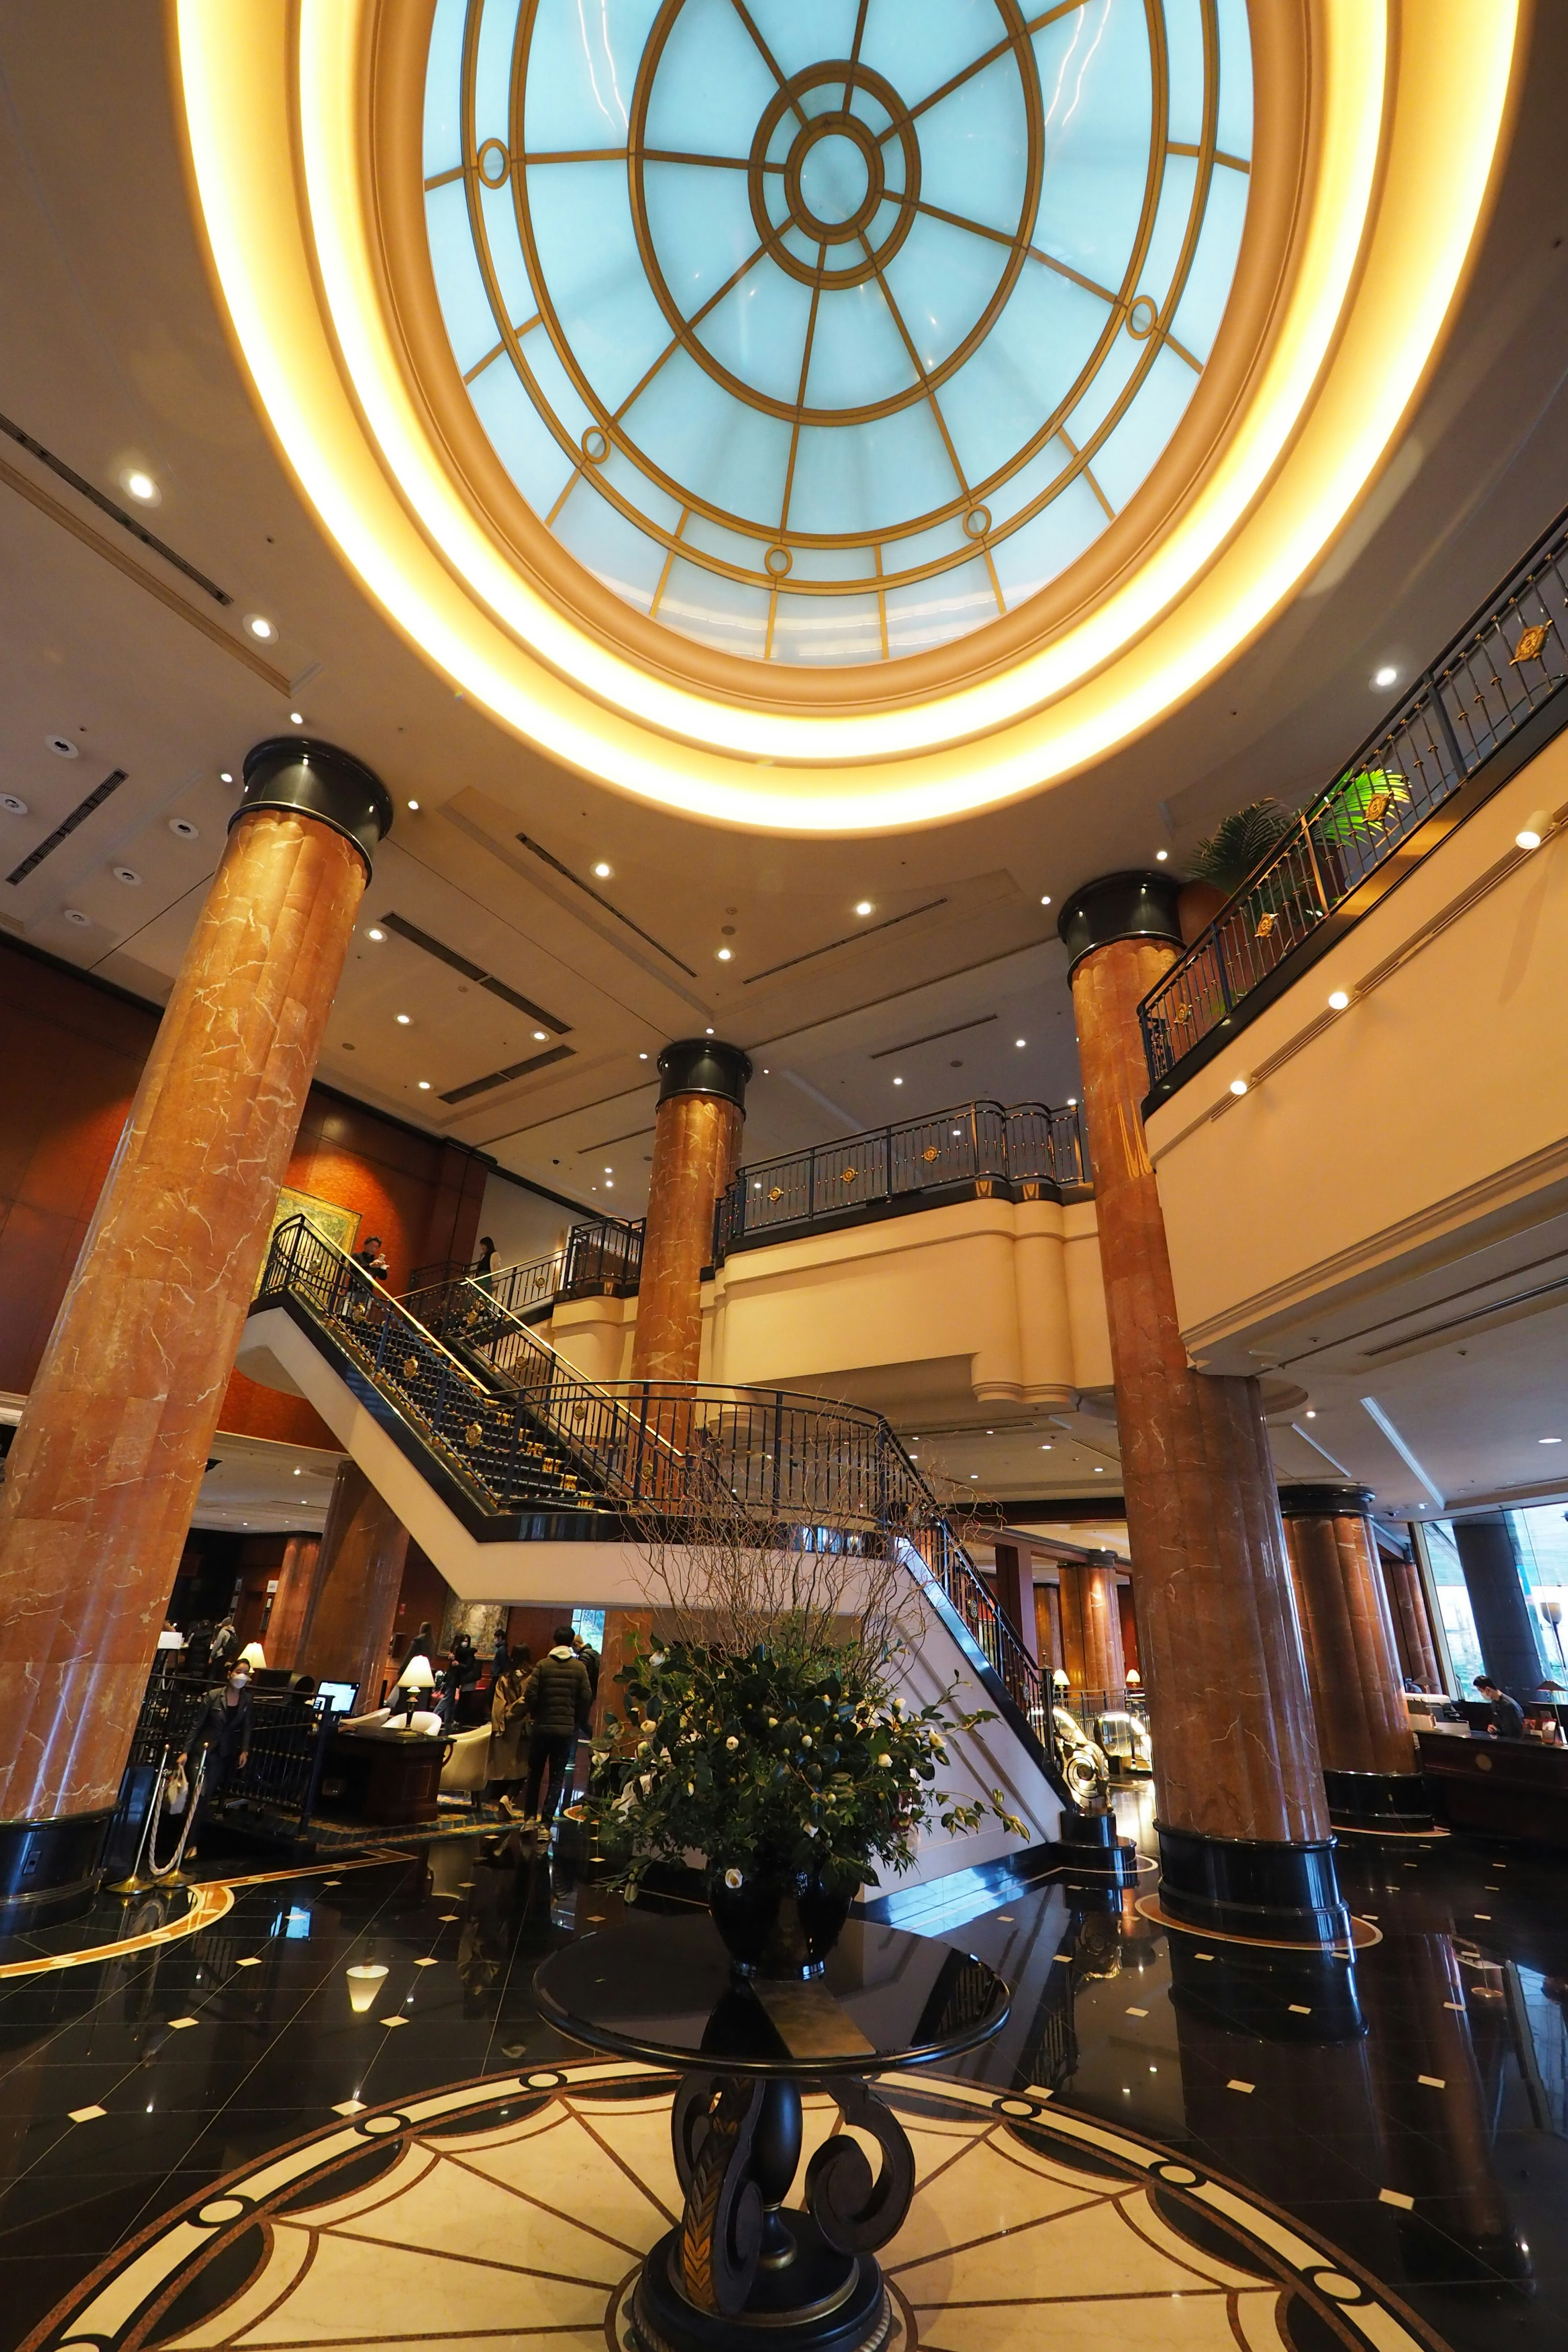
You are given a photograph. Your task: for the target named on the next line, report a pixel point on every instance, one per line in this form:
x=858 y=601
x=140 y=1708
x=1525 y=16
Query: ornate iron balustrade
x=602 y=1254
x=1507 y=661
x=821 y=1476
x=974 y=1143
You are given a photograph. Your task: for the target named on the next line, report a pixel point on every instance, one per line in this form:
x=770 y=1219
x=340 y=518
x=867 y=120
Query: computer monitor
x=338 y=1698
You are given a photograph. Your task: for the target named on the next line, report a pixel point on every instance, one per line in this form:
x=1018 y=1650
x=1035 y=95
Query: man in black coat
x=559 y=1698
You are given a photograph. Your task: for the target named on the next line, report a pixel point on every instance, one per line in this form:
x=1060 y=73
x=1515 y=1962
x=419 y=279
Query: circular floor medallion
x=528 y=2210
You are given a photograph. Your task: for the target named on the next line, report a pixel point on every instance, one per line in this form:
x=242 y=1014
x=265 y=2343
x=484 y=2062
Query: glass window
x=868 y=290
x=1454 y=1606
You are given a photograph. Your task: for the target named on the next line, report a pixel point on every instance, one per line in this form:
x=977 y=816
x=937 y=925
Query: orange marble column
x=1365 y=1739
x=696 y=1148
x=104 y=1475
x=1244 y=1827
x=1092 y=1627
x=1412 y=1625
x=286 y=1621
x=1015 y=1593
x=353 y=1607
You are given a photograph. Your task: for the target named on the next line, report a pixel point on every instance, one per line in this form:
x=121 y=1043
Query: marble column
x=695 y=1146
x=285 y=1622
x=1015 y=1593
x=1412 y=1623
x=104 y=1472
x=1092 y=1627
x=1364 y=1739
x=352 y=1608
x=1505 y=1628
x=1245 y=1841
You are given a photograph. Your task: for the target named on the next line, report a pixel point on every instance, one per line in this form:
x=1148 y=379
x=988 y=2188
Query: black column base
x=1379 y=1801
x=1267 y=1889
x=819 y=2301
x=1089 y=1846
x=50 y=1870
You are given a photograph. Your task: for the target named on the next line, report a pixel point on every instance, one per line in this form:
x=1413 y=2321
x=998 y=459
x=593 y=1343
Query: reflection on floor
x=1430 y=2146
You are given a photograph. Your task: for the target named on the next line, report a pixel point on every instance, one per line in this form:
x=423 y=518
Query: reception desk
x=1501 y=1787
x=388 y=1778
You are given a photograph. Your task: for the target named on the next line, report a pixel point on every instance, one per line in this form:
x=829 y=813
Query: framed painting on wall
x=338 y=1226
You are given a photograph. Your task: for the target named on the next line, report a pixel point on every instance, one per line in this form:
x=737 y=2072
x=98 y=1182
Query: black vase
x=778 y=1923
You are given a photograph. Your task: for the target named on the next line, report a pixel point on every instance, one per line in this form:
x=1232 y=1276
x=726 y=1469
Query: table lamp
x=252 y=1655
x=417 y=1675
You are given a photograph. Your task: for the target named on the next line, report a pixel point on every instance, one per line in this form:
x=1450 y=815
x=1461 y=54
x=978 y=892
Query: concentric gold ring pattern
x=728 y=278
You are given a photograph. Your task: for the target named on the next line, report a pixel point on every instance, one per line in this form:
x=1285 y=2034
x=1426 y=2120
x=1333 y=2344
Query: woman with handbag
x=508 y=1728
x=221 y=1733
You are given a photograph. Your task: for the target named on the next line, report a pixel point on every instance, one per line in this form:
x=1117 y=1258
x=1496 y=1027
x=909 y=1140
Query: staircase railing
x=1508 y=660
x=602 y=1254
x=972 y=1143
x=823 y=1475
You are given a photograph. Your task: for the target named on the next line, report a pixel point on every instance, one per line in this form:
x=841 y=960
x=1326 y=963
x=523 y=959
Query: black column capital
x=1136 y=905
x=704 y=1065
x=1326 y=1502
x=301 y=773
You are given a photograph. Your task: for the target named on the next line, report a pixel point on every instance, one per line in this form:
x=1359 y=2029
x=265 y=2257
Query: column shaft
x=1365 y=1739
x=1412 y=1625
x=103 y=1475
x=1488 y=1559
x=1092 y=1627
x=354 y=1597
x=1015 y=1593
x=295 y=1580
x=1243 y=1821
x=696 y=1146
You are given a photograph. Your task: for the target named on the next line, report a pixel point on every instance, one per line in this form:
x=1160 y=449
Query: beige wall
x=977 y=1302
x=1436 y=1105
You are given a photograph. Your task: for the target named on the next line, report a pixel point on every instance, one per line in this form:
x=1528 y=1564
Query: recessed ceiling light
x=403 y=1019
x=1338 y=999
x=12 y=805
x=1045 y=1449
x=1533 y=830
x=127 y=873
x=141 y=485
x=642 y=1057
x=424 y=1086
x=1045 y=902
x=898 y=1082
x=864 y=908
x=61 y=746
x=1020 y=1041
x=414 y=806
x=296 y=1474
x=1386 y=675
x=1100 y=1470
x=375 y=933
x=609 y=1172
x=707 y=1032
x=602 y=870
x=974 y=1474
x=182 y=827
x=260 y=626
x=1549 y=1441
x=1161 y=855
x=74 y=915
x=540 y=1037
x=1238 y=1085
x=723 y=955
x=1072 y=1102
x=225 y=775
x=1311 y=1412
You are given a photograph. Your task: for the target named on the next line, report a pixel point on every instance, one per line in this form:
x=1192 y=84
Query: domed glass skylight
x=826 y=331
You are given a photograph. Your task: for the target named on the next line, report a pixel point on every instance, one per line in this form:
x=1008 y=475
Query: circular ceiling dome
x=829 y=334
x=838 y=416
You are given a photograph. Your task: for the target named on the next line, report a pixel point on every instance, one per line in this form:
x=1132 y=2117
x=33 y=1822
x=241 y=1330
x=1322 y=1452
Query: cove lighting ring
x=1403 y=138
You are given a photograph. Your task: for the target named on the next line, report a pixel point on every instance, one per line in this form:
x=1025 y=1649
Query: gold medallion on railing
x=411 y=1368
x=1530 y=643
x=474 y=1431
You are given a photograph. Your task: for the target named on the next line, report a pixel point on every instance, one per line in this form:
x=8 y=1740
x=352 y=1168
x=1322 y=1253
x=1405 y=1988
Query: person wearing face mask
x=220 y=1734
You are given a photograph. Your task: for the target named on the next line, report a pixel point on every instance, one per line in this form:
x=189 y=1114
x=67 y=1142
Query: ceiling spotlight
x=260 y=626
x=642 y=1057
x=609 y=1187
x=297 y=1474
x=424 y=1086
x=376 y=932
x=184 y=829
x=723 y=955
x=1045 y=902
x=414 y=806
x=864 y=906
x=296 y=719
x=61 y=746
x=1311 y=1412
x=707 y=1032
x=74 y=915
x=1020 y=1041
x=1045 y=1449
x=404 y=1019
x=1161 y=855
x=1072 y=1102
x=609 y=1172
x=1533 y=830
x=1549 y=1441
x=126 y=874
x=141 y=485
x=225 y=775
x=1384 y=676
x=602 y=870
x=1338 y=999
x=12 y=805
x=540 y=1037
x=898 y=1082
x=1100 y=1470
x=1238 y=1085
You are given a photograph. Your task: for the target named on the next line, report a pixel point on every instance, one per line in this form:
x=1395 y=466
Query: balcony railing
x=978 y=1144
x=599 y=1257
x=1505 y=664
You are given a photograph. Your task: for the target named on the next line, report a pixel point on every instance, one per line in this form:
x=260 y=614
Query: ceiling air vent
x=504 y=1077
x=68 y=824
x=418 y=939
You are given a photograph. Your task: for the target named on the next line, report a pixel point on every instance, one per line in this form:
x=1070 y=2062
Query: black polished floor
x=1432 y=2147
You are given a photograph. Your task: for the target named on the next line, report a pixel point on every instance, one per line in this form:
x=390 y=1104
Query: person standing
x=560 y=1696
x=508 y=1730
x=590 y=1658
x=1506 y=1720
x=220 y=1737
x=225 y=1642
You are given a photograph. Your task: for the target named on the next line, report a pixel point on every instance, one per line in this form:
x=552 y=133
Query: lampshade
x=252 y=1655
x=365 y=1981
x=417 y=1675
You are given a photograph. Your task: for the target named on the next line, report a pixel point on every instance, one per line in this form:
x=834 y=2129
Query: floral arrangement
x=782 y=1760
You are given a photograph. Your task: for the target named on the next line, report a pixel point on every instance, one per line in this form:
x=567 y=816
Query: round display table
x=742 y=2270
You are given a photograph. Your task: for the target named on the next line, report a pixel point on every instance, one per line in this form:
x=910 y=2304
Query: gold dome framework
x=1396 y=140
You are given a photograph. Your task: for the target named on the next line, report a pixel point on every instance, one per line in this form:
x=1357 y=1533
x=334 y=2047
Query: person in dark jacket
x=223 y=1646
x=559 y=1698
x=590 y=1658
x=220 y=1735
x=1507 y=1719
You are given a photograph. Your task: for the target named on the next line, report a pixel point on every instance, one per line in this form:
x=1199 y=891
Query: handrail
x=820 y=1474
x=602 y=1253
x=974 y=1142
x=1478 y=693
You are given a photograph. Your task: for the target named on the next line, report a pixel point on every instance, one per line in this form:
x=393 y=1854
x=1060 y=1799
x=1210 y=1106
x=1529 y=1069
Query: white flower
x=732 y=1878
x=884 y=1761
x=914 y=1776
x=772 y=1722
x=805 y=1739
x=691 y=1786
x=732 y=1742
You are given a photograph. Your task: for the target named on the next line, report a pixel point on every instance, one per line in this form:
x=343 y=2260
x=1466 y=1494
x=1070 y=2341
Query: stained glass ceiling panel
x=827 y=331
